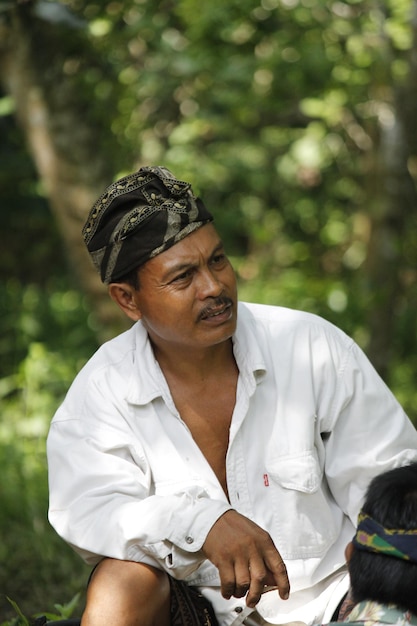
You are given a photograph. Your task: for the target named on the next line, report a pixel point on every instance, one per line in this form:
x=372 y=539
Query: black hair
x=391 y=500
x=131 y=278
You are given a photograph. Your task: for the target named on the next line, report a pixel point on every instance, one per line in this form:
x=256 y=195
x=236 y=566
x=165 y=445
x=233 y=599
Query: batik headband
x=138 y=217
x=372 y=537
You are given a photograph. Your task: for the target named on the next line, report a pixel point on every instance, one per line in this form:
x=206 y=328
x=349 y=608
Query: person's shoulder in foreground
x=374 y=613
x=382 y=557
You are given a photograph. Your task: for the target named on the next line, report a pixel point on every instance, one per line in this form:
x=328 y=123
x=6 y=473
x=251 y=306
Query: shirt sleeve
x=366 y=431
x=102 y=501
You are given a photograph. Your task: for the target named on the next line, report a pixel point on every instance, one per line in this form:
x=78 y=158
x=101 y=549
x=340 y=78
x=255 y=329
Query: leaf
x=66 y=610
x=25 y=621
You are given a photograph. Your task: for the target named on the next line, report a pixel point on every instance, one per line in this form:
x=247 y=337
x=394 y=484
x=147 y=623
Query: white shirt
x=312 y=424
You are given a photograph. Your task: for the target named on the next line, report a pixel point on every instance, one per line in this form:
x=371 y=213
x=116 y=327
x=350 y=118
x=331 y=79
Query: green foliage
x=20 y=620
x=49 y=340
x=64 y=611
x=270 y=109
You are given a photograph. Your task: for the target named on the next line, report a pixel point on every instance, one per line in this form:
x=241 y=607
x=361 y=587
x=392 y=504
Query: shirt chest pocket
x=304 y=512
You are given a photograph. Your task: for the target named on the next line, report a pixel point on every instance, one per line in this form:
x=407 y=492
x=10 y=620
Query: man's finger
x=258 y=579
x=227 y=580
x=242 y=577
x=280 y=574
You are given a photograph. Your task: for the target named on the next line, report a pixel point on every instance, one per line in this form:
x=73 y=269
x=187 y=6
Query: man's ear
x=349 y=551
x=123 y=295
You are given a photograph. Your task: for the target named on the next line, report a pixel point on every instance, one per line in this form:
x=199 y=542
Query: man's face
x=187 y=296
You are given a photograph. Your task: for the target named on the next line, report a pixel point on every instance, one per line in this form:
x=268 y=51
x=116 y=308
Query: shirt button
x=189 y=539
x=238 y=609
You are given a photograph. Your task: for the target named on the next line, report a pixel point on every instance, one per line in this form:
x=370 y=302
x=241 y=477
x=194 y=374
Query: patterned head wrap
x=372 y=537
x=138 y=217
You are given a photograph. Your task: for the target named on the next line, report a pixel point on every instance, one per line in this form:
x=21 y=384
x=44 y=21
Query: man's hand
x=246 y=558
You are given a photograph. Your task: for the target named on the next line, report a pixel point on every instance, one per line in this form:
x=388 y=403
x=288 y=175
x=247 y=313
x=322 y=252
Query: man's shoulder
x=271 y=314
x=268 y=324
x=375 y=614
x=107 y=375
x=115 y=350
x=114 y=358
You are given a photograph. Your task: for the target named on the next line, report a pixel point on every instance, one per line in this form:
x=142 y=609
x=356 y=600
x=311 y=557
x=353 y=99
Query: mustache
x=216 y=303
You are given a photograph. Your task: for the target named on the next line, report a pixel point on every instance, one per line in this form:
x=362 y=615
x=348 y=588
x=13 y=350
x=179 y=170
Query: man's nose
x=209 y=284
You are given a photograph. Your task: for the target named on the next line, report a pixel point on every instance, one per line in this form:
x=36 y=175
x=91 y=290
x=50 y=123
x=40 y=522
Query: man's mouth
x=219 y=307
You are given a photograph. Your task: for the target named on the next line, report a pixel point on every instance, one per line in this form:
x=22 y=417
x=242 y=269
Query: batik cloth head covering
x=138 y=217
x=372 y=537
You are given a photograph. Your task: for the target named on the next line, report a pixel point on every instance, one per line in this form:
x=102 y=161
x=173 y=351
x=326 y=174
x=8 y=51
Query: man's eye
x=219 y=258
x=182 y=276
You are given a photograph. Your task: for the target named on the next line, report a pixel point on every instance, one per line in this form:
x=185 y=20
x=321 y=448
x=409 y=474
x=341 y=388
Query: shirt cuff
x=189 y=531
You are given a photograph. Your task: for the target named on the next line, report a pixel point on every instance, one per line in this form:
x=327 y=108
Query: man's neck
x=197 y=365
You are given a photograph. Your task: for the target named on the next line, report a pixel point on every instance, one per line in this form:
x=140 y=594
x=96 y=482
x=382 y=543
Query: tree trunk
x=62 y=142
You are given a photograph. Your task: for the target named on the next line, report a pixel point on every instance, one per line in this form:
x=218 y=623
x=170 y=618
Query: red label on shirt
x=266 y=480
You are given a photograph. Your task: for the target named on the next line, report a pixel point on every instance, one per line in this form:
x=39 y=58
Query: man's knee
x=125 y=593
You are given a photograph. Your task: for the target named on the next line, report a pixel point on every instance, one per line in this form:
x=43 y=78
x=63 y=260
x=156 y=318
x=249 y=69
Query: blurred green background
x=296 y=122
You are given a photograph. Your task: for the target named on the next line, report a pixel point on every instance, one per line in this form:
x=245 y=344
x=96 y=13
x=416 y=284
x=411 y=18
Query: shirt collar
x=147 y=381
x=247 y=349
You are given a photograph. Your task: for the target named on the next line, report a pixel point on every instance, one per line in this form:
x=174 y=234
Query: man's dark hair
x=391 y=500
x=131 y=278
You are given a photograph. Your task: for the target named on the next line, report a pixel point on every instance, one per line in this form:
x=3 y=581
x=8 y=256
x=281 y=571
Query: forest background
x=295 y=120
